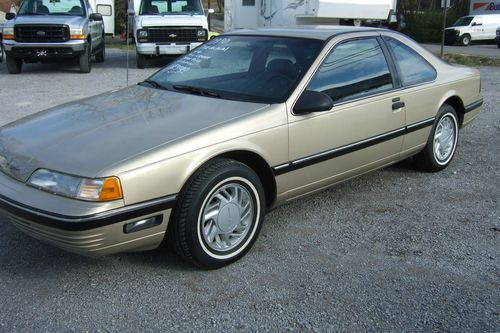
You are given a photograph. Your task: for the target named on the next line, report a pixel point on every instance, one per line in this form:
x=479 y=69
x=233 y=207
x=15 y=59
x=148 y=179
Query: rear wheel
x=14 y=65
x=99 y=57
x=465 y=40
x=442 y=141
x=86 y=59
x=219 y=214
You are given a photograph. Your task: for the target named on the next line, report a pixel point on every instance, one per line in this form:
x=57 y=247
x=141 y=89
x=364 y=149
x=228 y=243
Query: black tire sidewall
x=201 y=253
x=445 y=111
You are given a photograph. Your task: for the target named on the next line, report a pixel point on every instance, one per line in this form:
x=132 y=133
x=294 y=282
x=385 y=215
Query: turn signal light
x=10 y=37
x=77 y=37
x=111 y=189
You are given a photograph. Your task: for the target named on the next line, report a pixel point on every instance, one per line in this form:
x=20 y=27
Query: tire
x=141 y=61
x=465 y=40
x=442 y=142
x=14 y=66
x=219 y=214
x=101 y=55
x=86 y=60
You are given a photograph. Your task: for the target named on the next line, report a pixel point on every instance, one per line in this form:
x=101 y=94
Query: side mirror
x=312 y=101
x=95 y=17
x=10 y=16
x=211 y=11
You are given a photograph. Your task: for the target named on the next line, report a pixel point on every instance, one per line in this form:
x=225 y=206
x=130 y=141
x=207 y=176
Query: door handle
x=397 y=105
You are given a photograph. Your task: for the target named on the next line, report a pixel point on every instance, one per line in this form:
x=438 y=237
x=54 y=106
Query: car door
x=362 y=131
x=421 y=96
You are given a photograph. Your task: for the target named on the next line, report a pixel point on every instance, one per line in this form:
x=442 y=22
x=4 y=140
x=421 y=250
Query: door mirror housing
x=95 y=17
x=10 y=16
x=312 y=101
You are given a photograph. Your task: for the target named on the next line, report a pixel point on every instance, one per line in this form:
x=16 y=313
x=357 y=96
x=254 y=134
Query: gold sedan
x=247 y=121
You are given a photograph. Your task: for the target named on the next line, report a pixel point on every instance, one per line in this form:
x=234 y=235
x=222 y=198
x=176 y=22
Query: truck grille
x=172 y=34
x=41 y=33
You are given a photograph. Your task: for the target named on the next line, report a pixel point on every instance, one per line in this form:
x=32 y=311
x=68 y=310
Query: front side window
x=52 y=7
x=354 y=69
x=412 y=68
x=248 y=68
x=170 y=7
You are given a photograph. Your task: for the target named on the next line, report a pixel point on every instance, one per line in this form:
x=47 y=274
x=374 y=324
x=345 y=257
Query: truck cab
x=168 y=27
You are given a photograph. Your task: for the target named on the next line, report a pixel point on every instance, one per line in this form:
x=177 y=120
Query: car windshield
x=52 y=7
x=463 y=21
x=248 y=68
x=170 y=7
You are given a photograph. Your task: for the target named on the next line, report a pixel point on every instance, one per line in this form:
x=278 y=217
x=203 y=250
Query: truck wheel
x=86 y=60
x=141 y=61
x=465 y=40
x=14 y=66
x=99 y=57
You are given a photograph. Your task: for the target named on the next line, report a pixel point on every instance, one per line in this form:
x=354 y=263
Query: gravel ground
x=394 y=251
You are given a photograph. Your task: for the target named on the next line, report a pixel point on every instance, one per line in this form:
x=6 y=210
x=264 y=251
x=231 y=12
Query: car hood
x=72 y=21
x=172 y=20
x=86 y=136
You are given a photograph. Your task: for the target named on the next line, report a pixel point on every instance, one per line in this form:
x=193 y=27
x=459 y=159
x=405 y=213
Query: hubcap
x=444 y=139
x=227 y=217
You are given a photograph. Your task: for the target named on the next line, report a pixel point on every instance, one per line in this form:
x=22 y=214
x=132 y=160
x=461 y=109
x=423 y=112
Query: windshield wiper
x=197 y=91
x=153 y=84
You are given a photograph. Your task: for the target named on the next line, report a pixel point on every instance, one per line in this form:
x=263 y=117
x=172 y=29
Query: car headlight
x=97 y=189
x=142 y=33
x=202 y=34
x=8 y=33
x=76 y=34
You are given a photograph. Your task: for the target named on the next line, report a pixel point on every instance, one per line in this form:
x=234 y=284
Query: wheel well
x=260 y=167
x=458 y=105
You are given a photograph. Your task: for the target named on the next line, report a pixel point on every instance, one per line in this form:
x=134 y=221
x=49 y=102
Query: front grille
x=49 y=33
x=172 y=34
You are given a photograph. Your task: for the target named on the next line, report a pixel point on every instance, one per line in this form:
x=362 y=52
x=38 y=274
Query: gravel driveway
x=396 y=250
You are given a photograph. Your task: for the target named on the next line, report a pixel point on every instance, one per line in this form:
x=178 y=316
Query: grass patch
x=472 y=61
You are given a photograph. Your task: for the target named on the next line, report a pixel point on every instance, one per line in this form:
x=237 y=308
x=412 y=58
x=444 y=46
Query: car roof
x=321 y=32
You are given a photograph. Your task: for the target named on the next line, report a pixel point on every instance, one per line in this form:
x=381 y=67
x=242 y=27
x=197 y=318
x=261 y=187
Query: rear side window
x=412 y=68
x=353 y=69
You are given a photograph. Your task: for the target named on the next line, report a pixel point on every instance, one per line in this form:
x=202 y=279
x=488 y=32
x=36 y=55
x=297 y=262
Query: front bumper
x=158 y=49
x=94 y=229
x=41 y=51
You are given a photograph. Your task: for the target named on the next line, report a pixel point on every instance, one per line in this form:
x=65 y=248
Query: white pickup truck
x=168 y=27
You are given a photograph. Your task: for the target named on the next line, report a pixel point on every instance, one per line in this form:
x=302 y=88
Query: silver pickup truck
x=51 y=30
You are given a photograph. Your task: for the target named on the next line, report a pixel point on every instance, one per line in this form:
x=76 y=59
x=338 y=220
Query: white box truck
x=241 y=14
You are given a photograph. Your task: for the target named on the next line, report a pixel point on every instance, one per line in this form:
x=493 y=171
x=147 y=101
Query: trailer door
x=245 y=14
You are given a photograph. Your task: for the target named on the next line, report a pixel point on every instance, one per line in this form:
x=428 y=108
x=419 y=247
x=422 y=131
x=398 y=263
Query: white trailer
x=107 y=9
x=241 y=14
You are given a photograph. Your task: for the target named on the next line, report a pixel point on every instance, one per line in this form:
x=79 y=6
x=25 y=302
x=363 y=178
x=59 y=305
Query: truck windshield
x=52 y=7
x=170 y=7
x=463 y=21
x=259 y=69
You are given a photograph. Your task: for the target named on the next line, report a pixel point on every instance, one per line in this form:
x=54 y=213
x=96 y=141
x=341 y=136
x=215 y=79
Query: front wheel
x=219 y=214
x=86 y=60
x=141 y=61
x=465 y=40
x=442 y=141
x=14 y=66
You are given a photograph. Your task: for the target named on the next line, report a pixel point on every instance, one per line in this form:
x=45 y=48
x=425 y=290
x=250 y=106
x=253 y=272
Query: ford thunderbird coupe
x=196 y=154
